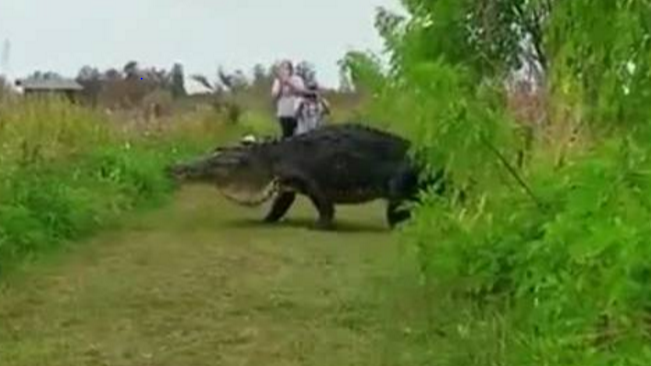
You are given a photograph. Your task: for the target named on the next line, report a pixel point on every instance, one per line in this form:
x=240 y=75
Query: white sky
x=64 y=35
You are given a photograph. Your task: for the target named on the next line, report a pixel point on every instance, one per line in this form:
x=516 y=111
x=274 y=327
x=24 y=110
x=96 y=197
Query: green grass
x=197 y=282
x=68 y=171
x=202 y=282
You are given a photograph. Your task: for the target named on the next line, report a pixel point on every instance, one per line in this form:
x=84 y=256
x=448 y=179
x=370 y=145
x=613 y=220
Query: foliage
x=129 y=87
x=5 y=89
x=178 y=81
x=68 y=171
x=602 y=61
x=542 y=264
x=224 y=94
x=150 y=92
x=489 y=37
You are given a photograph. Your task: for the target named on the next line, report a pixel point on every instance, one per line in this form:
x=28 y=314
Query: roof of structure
x=50 y=84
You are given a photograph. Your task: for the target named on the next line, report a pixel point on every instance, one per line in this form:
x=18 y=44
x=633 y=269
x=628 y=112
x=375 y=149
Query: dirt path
x=202 y=283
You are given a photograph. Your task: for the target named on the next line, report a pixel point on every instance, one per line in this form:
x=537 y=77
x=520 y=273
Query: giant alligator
x=335 y=164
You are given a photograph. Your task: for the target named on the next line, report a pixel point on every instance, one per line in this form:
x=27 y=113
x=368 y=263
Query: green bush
x=545 y=262
x=67 y=171
x=564 y=285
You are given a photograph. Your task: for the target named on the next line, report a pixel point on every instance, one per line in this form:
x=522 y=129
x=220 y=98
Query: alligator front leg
x=299 y=182
x=280 y=206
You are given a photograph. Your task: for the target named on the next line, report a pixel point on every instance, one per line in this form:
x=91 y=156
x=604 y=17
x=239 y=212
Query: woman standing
x=287 y=90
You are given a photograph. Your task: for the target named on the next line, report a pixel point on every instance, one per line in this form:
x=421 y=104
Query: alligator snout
x=170 y=171
x=174 y=172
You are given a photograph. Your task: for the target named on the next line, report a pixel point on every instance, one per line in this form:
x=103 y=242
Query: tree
x=361 y=72
x=234 y=82
x=213 y=87
x=91 y=79
x=178 y=81
x=111 y=74
x=345 y=81
x=225 y=92
x=5 y=88
x=259 y=74
x=490 y=37
x=47 y=75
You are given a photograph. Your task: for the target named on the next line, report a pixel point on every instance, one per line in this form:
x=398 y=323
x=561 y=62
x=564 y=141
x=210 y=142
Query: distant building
x=50 y=86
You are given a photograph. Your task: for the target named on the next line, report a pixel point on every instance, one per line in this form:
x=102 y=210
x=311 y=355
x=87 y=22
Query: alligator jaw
x=249 y=199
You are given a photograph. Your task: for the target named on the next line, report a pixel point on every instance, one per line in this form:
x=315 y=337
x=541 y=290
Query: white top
x=310 y=115
x=288 y=98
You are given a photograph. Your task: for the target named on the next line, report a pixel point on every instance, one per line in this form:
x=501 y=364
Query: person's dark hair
x=288 y=64
x=312 y=89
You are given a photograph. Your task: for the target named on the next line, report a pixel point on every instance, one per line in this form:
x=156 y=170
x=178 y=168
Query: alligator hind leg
x=395 y=214
x=309 y=188
x=403 y=187
x=280 y=206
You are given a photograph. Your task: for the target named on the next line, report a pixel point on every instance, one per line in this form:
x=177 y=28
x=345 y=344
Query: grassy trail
x=203 y=283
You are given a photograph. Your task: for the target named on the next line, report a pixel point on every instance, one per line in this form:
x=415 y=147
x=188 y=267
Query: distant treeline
x=158 y=91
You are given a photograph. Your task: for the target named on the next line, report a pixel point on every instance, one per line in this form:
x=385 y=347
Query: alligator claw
x=323 y=226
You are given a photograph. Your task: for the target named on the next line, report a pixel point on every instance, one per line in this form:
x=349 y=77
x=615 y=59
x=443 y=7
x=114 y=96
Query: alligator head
x=241 y=173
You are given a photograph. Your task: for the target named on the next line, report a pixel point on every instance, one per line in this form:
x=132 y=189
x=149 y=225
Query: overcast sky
x=64 y=35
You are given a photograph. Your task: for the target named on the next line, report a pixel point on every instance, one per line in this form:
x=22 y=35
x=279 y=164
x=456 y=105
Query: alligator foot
x=268 y=221
x=396 y=215
x=324 y=225
x=280 y=207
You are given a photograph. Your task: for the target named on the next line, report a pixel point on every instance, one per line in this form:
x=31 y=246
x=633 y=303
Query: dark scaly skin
x=332 y=165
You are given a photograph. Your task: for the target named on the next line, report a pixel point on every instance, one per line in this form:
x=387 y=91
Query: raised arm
x=297 y=85
x=275 y=89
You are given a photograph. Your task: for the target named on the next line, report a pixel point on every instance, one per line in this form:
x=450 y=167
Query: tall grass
x=545 y=260
x=67 y=171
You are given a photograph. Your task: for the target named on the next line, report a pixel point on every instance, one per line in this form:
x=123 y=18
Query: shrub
x=545 y=264
x=68 y=171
